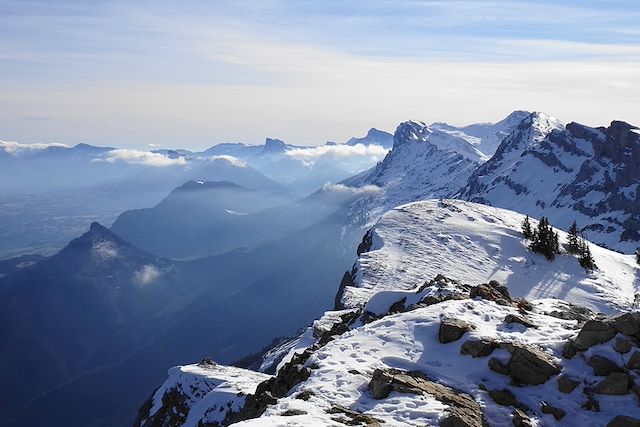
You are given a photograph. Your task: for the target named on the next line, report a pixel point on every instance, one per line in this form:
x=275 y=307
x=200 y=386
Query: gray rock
x=569 y=350
x=463 y=410
x=616 y=383
x=624 y=421
x=512 y=318
x=603 y=366
x=492 y=291
x=497 y=366
x=627 y=324
x=557 y=413
x=593 y=332
x=529 y=365
x=566 y=384
x=521 y=419
x=622 y=345
x=452 y=330
x=634 y=361
x=503 y=397
x=478 y=347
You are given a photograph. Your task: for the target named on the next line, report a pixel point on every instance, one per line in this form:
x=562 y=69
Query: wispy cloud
x=146 y=275
x=373 y=151
x=231 y=159
x=139 y=157
x=341 y=188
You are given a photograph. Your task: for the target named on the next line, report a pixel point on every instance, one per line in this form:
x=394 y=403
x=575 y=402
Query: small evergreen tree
x=545 y=240
x=584 y=257
x=573 y=241
x=638 y=256
x=527 y=231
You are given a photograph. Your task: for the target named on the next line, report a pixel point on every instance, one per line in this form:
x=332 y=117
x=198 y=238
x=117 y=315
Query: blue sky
x=194 y=73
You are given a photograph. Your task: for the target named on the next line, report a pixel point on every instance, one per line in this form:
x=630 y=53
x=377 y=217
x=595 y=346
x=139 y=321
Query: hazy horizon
x=146 y=74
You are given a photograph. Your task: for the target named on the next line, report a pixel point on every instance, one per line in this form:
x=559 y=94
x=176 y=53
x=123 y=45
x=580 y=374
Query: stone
x=624 y=421
x=569 y=350
x=593 y=332
x=557 y=413
x=353 y=418
x=616 y=383
x=529 y=365
x=634 y=361
x=622 y=345
x=462 y=411
x=566 y=384
x=492 y=291
x=521 y=419
x=603 y=366
x=512 y=318
x=497 y=366
x=503 y=397
x=478 y=347
x=627 y=324
x=452 y=330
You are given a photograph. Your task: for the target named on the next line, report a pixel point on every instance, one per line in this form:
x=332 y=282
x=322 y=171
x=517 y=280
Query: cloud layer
x=13 y=147
x=138 y=157
x=146 y=275
x=341 y=188
x=376 y=152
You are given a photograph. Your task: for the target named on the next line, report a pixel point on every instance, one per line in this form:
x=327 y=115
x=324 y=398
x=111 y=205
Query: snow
x=475 y=243
x=210 y=390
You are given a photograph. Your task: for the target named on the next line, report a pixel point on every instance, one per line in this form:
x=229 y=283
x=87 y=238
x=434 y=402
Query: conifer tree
x=527 y=231
x=638 y=256
x=545 y=240
x=573 y=240
x=585 y=258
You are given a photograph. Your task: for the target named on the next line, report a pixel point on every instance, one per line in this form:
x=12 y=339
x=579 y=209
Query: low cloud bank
x=339 y=152
x=138 y=157
x=13 y=147
x=341 y=188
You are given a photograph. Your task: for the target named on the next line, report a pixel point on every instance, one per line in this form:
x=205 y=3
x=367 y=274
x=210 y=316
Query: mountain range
x=232 y=258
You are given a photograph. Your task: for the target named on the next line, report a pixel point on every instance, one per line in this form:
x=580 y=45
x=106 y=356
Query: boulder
x=478 y=347
x=521 y=419
x=634 y=361
x=557 y=413
x=593 y=332
x=603 y=366
x=462 y=411
x=616 y=383
x=627 y=324
x=566 y=384
x=492 y=291
x=530 y=365
x=512 y=318
x=624 y=421
x=622 y=345
x=453 y=329
x=497 y=366
x=503 y=397
x=569 y=350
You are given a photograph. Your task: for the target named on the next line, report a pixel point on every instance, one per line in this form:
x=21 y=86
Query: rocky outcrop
x=452 y=330
x=463 y=410
x=592 y=333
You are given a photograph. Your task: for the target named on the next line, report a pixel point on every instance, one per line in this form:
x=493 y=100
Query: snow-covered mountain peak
x=530 y=132
x=374 y=137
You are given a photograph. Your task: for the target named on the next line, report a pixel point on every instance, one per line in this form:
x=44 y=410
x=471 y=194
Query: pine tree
x=573 y=241
x=638 y=256
x=545 y=240
x=526 y=229
x=585 y=258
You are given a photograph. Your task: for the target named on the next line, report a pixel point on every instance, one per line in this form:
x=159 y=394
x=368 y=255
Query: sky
x=193 y=73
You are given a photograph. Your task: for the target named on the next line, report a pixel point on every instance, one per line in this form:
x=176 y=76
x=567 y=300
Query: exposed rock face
x=634 y=361
x=463 y=410
x=365 y=245
x=512 y=318
x=492 y=291
x=627 y=324
x=576 y=163
x=452 y=330
x=557 y=413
